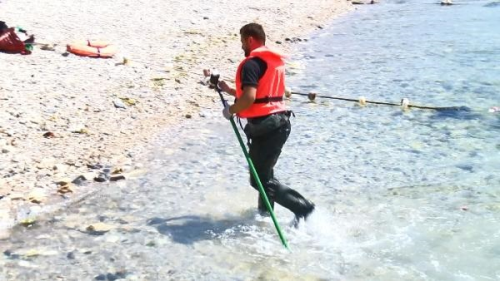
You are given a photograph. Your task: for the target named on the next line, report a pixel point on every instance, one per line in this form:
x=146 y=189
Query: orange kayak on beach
x=92 y=48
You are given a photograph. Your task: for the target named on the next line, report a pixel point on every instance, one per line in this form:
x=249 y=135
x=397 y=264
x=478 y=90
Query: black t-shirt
x=252 y=71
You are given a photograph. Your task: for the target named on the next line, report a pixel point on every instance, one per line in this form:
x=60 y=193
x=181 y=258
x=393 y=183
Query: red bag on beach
x=10 y=42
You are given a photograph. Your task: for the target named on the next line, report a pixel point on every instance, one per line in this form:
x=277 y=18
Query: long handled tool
x=214 y=79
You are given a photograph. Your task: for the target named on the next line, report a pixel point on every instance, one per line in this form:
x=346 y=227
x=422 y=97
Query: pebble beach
x=67 y=121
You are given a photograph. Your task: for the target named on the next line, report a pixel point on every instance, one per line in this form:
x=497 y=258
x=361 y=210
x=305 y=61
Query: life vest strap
x=268 y=99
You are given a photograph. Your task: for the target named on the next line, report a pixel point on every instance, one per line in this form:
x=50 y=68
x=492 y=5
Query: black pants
x=267 y=135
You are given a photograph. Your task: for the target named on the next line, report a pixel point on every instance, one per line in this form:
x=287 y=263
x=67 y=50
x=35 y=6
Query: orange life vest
x=271 y=87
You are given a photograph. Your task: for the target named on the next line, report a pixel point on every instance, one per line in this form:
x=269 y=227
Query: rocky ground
x=67 y=120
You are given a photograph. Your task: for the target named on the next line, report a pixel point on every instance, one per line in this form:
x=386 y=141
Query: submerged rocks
x=108 y=174
x=358 y=2
x=80 y=180
x=111 y=276
x=98 y=228
x=117 y=178
x=102 y=177
x=65 y=188
x=295 y=40
x=492 y=5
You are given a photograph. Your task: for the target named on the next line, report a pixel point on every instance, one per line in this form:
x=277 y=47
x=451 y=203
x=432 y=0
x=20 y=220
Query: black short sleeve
x=252 y=71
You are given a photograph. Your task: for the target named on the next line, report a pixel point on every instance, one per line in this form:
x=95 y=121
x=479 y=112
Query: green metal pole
x=214 y=80
x=259 y=184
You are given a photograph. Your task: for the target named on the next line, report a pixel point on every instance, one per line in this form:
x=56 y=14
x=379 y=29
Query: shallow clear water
x=401 y=195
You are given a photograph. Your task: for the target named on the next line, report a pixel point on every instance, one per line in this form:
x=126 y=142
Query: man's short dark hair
x=254 y=30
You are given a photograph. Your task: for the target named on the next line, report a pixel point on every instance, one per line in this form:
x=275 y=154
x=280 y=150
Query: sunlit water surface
x=401 y=195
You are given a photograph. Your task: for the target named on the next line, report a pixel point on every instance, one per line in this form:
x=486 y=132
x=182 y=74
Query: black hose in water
x=312 y=96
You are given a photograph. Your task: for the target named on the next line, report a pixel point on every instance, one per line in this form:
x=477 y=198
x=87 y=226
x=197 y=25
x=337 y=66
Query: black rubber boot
x=308 y=210
x=304 y=214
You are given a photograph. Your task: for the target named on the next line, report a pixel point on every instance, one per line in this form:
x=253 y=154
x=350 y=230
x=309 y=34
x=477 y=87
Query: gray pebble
x=70 y=256
x=100 y=277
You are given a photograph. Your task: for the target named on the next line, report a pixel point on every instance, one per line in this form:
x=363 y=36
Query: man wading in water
x=260 y=86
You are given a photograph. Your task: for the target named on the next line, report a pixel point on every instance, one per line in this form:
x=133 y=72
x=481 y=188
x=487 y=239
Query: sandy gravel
x=77 y=101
